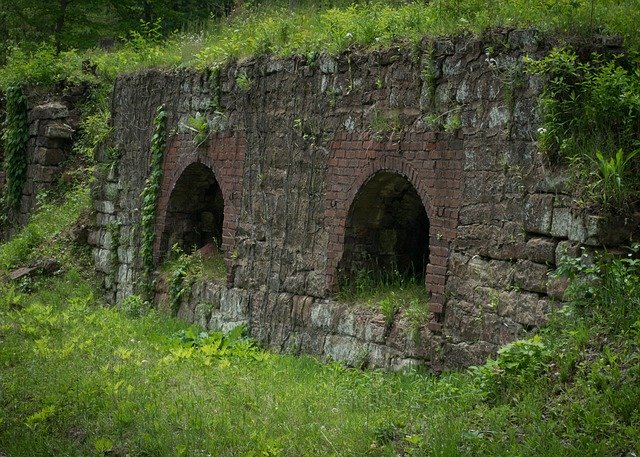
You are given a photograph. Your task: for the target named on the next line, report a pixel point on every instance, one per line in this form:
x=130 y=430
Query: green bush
x=517 y=364
x=591 y=120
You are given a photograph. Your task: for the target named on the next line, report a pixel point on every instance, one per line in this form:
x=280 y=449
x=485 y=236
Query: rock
x=41 y=266
x=52 y=110
x=58 y=130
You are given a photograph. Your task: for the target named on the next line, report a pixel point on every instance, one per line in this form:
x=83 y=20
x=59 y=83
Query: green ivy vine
x=151 y=190
x=16 y=136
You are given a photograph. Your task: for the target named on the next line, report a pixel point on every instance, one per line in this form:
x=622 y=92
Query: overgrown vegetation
x=53 y=217
x=390 y=293
x=15 y=137
x=591 y=119
x=150 y=195
x=79 y=378
x=185 y=269
x=313 y=27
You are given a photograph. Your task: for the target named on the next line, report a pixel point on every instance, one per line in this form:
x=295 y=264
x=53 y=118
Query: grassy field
x=79 y=378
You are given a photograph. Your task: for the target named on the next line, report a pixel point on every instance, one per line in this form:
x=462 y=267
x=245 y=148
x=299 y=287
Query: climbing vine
x=151 y=190
x=15 y=139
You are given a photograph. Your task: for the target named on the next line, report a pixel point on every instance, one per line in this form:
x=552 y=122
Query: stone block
x=234 y=304
x=202 y=314
x=531 y=276
x=58 y=130
x=567 y=248
x=53 y=110
x=541 y=250
x=346 y=349
x=609 y=230
x=538 y=213
x=45 y=156
x=531 y=311
x=104 y=206
x=46 y=174
x=494 y=273
x=557 y=286
x=322 y=315
x=102 y=260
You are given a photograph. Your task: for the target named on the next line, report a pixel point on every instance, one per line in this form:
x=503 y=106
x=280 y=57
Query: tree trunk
x=59 y=26
x=4 y=36
x=147 y=11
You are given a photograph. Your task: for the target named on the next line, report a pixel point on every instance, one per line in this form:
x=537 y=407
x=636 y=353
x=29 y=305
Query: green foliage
x=607 y=286
x=199 y=125
x=42 y=67
x=591 y=119
x=151 y=191
x=243 y=82
x=94 y=124
x=185 y=269
x=517 y=364
x=182 y=274
x=134 y=306
x=390 y=293
x=385 y=122
x=610 y=187
x=15 y=136
x=152 y=385
x=50 y=220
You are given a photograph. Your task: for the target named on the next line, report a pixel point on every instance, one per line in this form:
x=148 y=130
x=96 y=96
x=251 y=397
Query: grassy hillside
x=269 y=27
x=79 y=378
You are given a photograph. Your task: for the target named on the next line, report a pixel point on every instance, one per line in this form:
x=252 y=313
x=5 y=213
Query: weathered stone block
x=541 y=250
x=45 y=156
x=58 y=131
x=538 y=213
x=531 y=276
x=53 y=110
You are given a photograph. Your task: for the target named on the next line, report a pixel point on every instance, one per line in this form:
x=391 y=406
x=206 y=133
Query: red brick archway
x=431 y=163
x=224 y=156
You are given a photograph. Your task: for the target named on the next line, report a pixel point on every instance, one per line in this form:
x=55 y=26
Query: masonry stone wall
x=53 y=121
x=294 y=141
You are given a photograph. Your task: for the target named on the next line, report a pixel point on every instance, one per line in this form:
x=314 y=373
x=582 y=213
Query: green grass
x=54 y=217
x=79 y=378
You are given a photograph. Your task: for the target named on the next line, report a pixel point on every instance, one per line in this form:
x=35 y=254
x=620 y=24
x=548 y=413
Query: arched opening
x=387 y=231
x=195 y=212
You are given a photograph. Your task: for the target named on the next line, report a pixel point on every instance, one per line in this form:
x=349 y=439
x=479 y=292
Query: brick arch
x=341 y=207
x=387 y=225
x=224 y=156
x=431 y=164
x=395 y=165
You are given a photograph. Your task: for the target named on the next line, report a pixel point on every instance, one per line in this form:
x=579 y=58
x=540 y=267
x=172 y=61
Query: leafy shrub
x=606 y=286
x=591 y=119
x=516 y=364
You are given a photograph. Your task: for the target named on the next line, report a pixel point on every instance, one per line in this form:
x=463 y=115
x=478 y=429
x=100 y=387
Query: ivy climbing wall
x=310 y=164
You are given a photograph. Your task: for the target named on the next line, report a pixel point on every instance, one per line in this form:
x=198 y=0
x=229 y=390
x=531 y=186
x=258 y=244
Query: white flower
x=542 y=131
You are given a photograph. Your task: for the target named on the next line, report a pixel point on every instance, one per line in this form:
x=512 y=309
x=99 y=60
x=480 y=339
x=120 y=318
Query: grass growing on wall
x=314 y=27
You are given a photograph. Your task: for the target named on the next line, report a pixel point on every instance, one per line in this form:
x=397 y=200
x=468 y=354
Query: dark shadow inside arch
x=387 y=231
x=195 y=211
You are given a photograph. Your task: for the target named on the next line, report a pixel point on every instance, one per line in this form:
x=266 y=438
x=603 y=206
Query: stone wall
x=294 y=143
x=53 y=120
